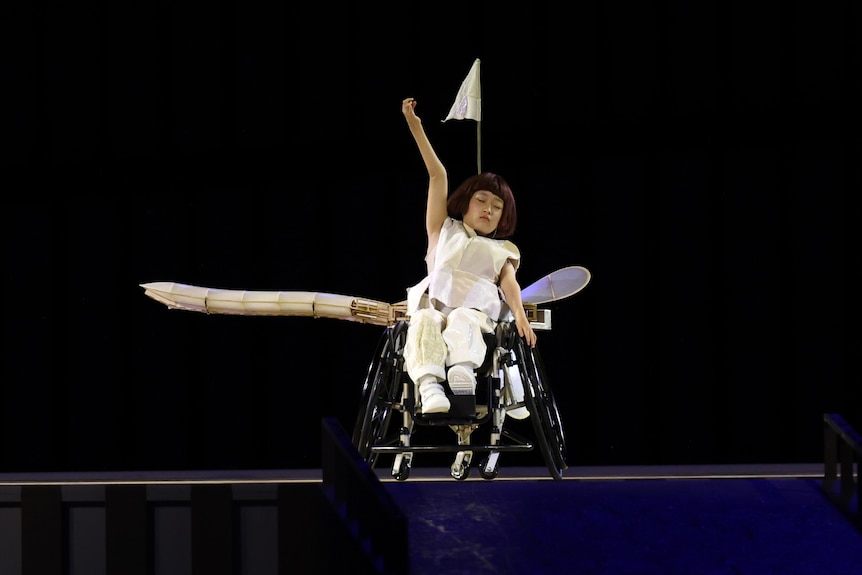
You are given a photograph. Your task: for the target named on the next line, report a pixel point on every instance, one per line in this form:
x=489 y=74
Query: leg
x=425 y=358
x=466 y=345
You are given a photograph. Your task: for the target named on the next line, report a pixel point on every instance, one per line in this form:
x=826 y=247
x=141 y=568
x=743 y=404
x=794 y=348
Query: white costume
x=458 y=301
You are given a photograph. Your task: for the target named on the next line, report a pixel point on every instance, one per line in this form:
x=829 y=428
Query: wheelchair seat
x=510 y=364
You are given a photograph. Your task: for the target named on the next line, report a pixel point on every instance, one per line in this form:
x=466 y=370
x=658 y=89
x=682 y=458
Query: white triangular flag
x=468 y=102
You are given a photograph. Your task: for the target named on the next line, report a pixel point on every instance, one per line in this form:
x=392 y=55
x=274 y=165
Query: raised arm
x=438 y=179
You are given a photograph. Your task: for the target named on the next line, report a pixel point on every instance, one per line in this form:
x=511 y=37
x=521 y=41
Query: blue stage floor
x=673 y=520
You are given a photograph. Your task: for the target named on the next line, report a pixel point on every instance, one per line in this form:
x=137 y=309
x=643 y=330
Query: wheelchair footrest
x=462 y=405
x=462 y=411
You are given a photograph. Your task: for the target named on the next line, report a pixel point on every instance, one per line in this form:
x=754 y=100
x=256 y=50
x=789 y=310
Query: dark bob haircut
x=459 y=200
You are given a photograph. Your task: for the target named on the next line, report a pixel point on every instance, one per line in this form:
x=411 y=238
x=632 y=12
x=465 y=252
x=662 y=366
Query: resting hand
x=525 y=330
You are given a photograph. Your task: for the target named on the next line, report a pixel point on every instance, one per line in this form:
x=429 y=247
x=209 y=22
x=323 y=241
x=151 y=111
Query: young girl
x=471 y=281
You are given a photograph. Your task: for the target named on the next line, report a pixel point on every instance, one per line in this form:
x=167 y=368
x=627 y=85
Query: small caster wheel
x=401 y=467
x=490 y=466
x=460 y=469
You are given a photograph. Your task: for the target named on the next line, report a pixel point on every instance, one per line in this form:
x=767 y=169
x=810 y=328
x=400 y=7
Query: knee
x=462 y=314
x=425 y=316
x=468 y=320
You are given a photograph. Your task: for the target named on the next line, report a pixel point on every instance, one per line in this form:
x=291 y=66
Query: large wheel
x=379 y=392
x=543 y=409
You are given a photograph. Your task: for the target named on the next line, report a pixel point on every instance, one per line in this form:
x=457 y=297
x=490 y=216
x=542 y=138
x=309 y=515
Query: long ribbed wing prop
x=277 y=303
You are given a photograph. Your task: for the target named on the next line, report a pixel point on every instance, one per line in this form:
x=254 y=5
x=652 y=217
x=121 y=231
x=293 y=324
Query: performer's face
x=483 y=212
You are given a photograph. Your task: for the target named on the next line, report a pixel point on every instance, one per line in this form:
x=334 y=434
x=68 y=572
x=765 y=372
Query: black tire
x=379 y=392
x=543 y=408
x=403 y=471
x=485 y=474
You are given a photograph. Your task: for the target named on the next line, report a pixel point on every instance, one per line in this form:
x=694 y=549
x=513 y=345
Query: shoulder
x=510 y=247
x=451 y=222
x=513 y=254
x=452 y=227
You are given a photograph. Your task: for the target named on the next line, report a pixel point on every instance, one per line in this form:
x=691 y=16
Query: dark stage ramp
x=633 y=520
x=679 y=520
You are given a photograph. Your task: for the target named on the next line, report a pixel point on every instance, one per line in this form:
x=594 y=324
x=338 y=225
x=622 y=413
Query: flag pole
x=468 y=106
x=479 y=147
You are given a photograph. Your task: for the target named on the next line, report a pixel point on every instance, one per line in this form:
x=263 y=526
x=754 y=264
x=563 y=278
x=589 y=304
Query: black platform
x=663 y=520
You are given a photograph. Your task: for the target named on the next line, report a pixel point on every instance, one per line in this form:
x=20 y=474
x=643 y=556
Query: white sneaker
x=433 y=398
x=461 y=379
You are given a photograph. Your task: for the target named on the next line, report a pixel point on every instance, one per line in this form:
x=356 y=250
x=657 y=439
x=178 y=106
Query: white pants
x=436 y=340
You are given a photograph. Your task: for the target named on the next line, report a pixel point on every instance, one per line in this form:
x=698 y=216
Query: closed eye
x=495 y=205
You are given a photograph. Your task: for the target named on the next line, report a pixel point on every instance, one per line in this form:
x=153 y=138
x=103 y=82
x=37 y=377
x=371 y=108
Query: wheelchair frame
x=389 y=392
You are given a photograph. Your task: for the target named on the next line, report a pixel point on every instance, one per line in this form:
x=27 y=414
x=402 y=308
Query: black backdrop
x=703 y=163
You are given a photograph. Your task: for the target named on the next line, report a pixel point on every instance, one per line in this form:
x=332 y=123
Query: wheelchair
x=389 y=418
x=511 y=377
